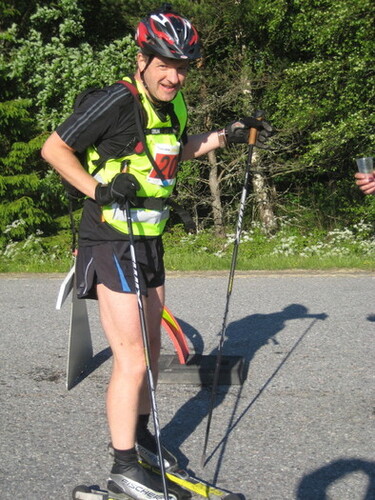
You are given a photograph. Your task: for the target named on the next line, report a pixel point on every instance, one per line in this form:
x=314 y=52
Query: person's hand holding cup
x=365 y=175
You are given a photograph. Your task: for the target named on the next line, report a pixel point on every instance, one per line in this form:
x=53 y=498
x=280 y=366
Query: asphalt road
x=301 y=426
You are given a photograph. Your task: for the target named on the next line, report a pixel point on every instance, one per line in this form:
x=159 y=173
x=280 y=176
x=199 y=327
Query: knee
x=130 y=367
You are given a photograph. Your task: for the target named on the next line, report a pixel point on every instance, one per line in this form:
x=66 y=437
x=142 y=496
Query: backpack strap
x=139 y=117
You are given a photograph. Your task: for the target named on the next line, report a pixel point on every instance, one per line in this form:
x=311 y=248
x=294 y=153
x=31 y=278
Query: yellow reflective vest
x=164 y=146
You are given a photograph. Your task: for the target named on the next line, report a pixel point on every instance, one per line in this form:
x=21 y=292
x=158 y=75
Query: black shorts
x=110 y=264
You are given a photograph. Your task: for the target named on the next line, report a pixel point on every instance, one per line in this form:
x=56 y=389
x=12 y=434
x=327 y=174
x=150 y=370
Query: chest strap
x=150 y=203
x=157 y=131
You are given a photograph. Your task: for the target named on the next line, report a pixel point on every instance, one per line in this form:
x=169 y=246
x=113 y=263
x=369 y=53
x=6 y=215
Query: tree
x=223 y=87
x=49 y=63
x=320 y=55
x=307 y=63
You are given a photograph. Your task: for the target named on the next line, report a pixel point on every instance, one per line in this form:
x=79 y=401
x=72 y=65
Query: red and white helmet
x=167 y=34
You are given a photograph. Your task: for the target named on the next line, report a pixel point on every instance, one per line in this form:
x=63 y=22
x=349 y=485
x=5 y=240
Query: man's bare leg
x=127 y=394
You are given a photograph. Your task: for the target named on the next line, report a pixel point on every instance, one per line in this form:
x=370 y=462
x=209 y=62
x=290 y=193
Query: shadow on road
x=244 y=337
x=315 y=486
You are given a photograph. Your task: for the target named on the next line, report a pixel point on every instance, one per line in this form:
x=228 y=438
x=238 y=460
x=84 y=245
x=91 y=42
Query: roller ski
x=195 y=486
x=133 y=482
x=148 y=457
x=200 y=488
x=143 y=483
x=96 y=493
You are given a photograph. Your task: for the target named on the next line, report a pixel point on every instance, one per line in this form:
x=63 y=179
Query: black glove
x=238 y=132
x=121 y=188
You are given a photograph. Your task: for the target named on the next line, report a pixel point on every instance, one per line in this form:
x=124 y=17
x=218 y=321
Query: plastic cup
x=366 y=166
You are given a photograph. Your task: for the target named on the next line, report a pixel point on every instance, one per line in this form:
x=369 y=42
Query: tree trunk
x=214 y=185
x=263 y=201
x=213 y=181
x=262 y=190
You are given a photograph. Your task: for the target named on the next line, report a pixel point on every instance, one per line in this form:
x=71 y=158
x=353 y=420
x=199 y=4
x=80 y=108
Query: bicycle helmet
x=167 y=34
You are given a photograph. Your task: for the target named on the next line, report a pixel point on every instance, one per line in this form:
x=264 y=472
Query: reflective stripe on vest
x=144 y=222
x=165 y=149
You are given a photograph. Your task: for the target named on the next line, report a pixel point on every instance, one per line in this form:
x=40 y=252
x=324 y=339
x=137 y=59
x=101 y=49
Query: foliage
x=322 y=93
x=308 y=63
x=50 y=63
x=53 y=63
x=23 y=195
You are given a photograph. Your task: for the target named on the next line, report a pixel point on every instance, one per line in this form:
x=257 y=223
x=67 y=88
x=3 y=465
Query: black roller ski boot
x=129 y=480
x=147 y=448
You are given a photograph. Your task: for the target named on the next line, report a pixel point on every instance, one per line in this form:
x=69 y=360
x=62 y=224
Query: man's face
x=163 y=77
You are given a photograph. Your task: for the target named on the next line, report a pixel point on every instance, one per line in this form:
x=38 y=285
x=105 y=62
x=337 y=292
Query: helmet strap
x=149 y=60
x=154 y=100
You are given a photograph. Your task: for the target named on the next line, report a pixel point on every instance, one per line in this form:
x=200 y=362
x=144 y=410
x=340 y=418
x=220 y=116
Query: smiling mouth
x=169 y=88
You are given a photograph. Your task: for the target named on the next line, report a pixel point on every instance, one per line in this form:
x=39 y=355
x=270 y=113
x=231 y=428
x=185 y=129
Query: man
x=120 y=166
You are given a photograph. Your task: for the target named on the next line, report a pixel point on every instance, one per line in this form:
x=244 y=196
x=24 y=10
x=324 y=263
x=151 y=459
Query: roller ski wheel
x=89 y=493
x=83 y=492
x=175 y=492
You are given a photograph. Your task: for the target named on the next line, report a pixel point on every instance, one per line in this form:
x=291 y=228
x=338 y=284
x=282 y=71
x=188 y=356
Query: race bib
x=166 y=158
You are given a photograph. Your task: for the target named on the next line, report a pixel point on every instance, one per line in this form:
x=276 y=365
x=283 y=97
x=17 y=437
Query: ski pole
x=251 y=141
x=147 y=350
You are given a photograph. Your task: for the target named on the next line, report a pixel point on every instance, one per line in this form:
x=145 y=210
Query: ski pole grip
x=259 y=115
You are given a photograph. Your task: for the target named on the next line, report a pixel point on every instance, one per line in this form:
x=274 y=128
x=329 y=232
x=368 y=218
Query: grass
x=290 y=248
